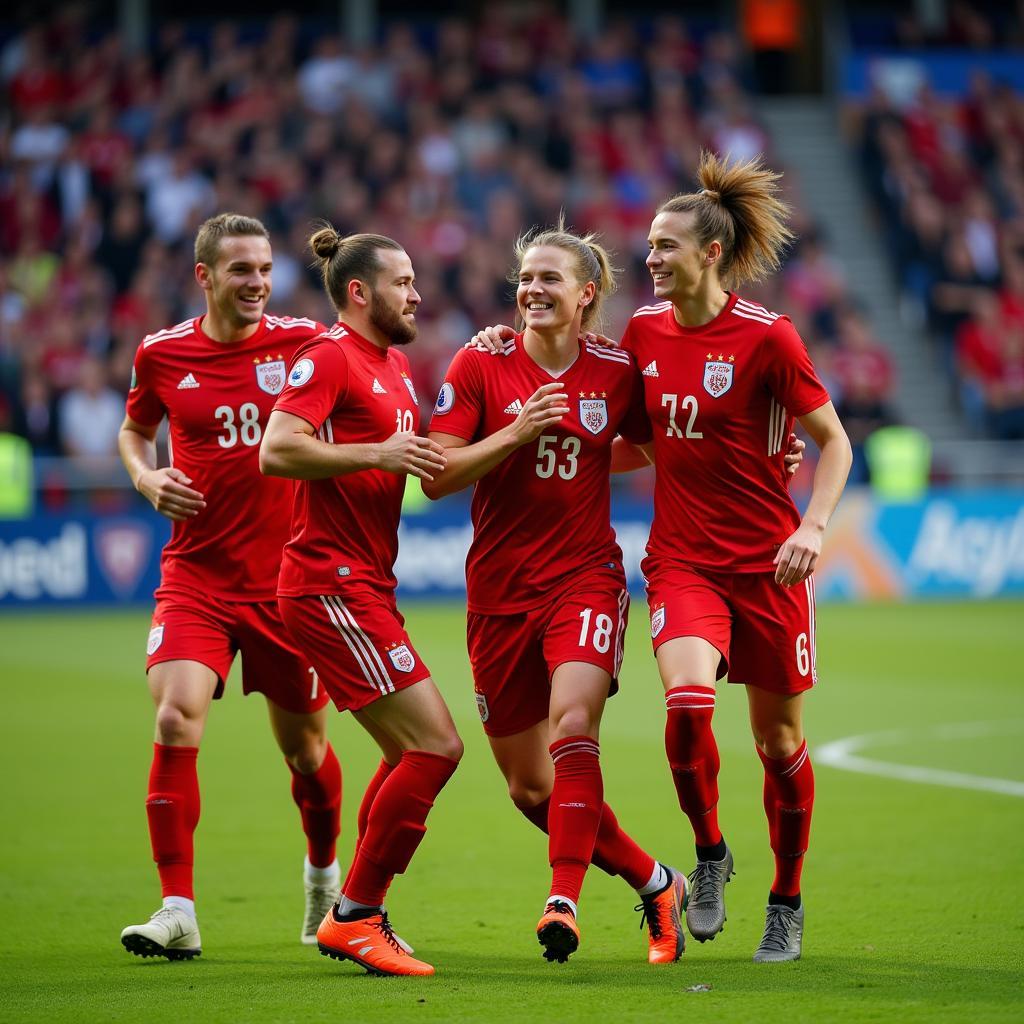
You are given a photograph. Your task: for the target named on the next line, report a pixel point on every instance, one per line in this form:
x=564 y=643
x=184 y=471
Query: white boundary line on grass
x=843 y=754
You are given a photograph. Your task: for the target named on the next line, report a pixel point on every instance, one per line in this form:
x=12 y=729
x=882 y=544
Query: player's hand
x=600 y=340
x=797 y=558
x=168 y=492
x=795 y=455
x=544 y=409
x=406 y=454
x=491 y=339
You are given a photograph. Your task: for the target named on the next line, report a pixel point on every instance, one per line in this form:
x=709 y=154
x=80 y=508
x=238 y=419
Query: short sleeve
x=143 y=404
x=636 y=425
x=788 y=371
x=317 y=382
x=459 y=407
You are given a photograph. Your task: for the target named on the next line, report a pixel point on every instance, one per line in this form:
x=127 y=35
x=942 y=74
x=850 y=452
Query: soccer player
x=730 y=559
x=345 y=427
x=547 y=597
x=215 y=379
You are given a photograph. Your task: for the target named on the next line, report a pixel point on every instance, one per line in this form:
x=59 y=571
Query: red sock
x=615 y=853
x=172 y=807
x=383 y=771
x=318 y=798
x=396 y=824
x=788 y=802
x=693 y=758
x=574 y=813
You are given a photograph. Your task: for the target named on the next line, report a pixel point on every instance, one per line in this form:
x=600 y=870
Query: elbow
x=433 y=489
x=270 y=462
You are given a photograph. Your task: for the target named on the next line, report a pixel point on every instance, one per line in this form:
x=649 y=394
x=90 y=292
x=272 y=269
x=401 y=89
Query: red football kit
x=337 y=582
x=219 y=569
x=722 y=398
x=544 y=575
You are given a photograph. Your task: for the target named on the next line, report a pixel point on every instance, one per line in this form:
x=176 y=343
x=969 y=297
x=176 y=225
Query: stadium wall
x=949 y=545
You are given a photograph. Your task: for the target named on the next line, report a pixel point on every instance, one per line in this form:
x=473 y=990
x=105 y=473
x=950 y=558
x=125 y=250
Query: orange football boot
x=369 y=942
x=558 y=932
x=661 y=912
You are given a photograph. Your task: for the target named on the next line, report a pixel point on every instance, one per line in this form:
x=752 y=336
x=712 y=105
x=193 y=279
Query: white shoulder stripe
x=178 y=331
x=290 y=323
x=753 y=307
x=751 y=316
x=651 y=310
x=613 y=355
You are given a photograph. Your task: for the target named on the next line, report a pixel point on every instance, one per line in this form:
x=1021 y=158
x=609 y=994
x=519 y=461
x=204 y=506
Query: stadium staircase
x=810 y=147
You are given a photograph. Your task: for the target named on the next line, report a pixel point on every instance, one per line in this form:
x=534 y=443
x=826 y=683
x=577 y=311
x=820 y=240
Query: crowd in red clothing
x=452 y=140
x=947 y=174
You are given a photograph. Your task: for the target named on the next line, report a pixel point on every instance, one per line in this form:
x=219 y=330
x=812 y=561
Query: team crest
x=657 y=621
x=718 y=375
x=594 y=414
x=271 y=376
x=156 y=638
x=402 y=658
x=481 y=706
x=412 y=390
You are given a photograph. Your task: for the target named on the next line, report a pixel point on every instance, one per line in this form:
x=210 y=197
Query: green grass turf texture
x=913 y=892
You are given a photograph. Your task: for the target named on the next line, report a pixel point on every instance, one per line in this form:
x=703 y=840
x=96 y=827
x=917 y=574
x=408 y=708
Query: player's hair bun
x=325 y=243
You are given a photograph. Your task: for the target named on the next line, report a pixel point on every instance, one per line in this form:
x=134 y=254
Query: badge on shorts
x=657 y=620
x=401 y=657
x=156 y=638
x=481 y=706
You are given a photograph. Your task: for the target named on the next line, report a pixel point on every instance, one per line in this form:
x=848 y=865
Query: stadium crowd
x=947 y=176
x=452 y=142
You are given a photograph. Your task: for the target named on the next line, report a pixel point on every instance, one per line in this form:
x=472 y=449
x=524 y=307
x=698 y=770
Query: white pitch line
x=842 y=754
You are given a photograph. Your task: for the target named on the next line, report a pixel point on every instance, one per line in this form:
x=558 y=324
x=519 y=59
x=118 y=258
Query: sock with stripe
x=172 y=809
x=396 y=823
x=693 y=757
x=574 y=814
x=318 y=798
x=788 y=803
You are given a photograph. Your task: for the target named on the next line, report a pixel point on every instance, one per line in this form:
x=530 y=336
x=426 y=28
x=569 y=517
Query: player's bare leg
x=182 y=692
x=316 y=790
x=416 y=721
x=776 y=721
x=525 y=762
x=689 y=667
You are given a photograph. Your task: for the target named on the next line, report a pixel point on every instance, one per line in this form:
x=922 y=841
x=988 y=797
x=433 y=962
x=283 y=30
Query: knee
x=780 y=739
x=308 y=754
x=577 y=721
x=175 y=726
x=527 y=793
x=449 y=745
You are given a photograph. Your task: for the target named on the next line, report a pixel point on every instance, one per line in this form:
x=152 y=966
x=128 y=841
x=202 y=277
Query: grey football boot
x=783 y=935
x=705 y=914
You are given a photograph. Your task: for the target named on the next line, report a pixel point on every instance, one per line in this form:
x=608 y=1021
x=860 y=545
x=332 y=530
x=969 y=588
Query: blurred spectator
x=90 y=414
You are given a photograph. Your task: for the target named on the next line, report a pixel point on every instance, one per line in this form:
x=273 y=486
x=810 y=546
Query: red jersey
x=542 y=516
x=722 y=398
x=217 y=398
x=345 y=529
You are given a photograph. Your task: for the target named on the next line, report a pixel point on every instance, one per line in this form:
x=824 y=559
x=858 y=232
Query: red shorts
x=764 y=632
x=514 y=656
x=187 y=627
x=357 y=643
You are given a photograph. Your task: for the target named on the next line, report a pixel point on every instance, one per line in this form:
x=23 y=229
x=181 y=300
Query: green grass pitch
x=914 y=892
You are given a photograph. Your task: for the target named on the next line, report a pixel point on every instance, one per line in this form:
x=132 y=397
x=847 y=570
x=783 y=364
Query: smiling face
x=676 y=261
x=237 y=284
x=393 y=297
x=548 y=295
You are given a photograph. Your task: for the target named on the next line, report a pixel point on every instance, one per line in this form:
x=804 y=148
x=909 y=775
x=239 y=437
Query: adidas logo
x=377 y=389
x=514 y=408
x=188 y=381
x=651 y=369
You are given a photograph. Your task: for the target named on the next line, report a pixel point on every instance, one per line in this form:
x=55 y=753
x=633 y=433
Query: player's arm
x=628 y=457
x=290 y=448
x=798 y=556
x=467 y=462
x=165 y=489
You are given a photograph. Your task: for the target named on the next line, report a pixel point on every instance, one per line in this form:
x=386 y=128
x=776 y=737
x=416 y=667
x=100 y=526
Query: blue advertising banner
x=950 y=545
